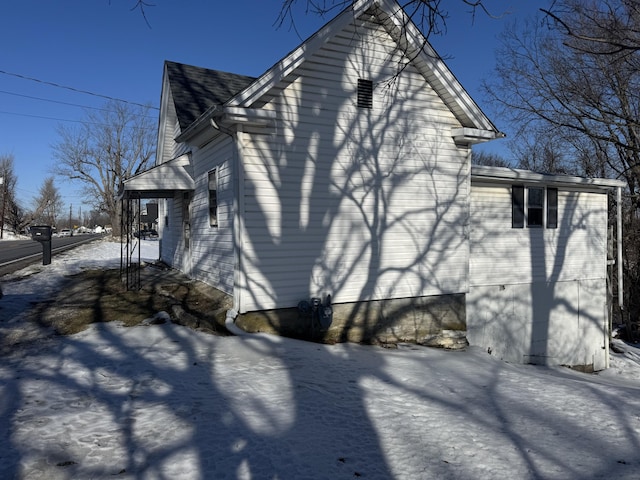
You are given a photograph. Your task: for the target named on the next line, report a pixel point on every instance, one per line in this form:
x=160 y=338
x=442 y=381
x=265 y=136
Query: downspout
x=619 y=248
x=238 y=209
x=238 y=217
x=620 y=267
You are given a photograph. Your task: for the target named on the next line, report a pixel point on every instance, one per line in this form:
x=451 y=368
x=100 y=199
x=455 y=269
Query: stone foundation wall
x=435 y=321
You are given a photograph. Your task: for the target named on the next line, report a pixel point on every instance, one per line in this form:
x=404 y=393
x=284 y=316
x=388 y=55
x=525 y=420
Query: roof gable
x=195 y=89
x=409 y=39
x=198 y=93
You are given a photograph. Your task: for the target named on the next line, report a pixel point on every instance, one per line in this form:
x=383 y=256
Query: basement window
x=365 y=93
x=536 y=207
x=213 y=198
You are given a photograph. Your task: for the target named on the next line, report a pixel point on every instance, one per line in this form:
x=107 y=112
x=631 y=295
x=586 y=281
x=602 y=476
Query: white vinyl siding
x=538 y=295
x=359 y=204
x=212 y=248
x=503 y=255
x=168 y=148
x=171 y=236
x=559 y=323
x=168 y=119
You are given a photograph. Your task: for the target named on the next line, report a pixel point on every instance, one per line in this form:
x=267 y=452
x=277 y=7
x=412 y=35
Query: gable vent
x=365 y=93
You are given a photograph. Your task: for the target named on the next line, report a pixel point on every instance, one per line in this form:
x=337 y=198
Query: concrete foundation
x=435 y=321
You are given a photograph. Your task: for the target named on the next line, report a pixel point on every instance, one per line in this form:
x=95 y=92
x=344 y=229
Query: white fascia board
x=249 y=116
x=515 y=175
x=471 y=136
x=399 y=25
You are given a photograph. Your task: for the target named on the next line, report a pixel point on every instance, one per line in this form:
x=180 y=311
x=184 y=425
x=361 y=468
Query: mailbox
x=42 y=234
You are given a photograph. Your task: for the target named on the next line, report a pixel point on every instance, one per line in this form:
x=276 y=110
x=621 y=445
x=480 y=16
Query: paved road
x=15 y=254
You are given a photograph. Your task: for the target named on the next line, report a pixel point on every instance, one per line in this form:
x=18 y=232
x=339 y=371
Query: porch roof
x=161 y=181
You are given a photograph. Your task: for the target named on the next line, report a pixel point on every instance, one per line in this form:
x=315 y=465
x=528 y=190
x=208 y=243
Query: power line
x=42 y=117
x=73 y=89
x=60 y=102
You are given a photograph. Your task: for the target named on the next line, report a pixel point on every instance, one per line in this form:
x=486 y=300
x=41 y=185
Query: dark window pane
x=213 y=199
x=536 y=197
x=517 y=206
x=552 y=208
x=535 y=201
x=534 y=217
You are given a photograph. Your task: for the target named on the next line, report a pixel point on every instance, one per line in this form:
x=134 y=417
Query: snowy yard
x=163 y=401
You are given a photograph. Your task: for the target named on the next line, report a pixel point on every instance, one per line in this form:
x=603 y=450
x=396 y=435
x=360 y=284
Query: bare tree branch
x=109 y=147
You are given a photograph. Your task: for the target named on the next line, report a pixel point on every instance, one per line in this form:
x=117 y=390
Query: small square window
x=365 y=93
x=213 y=199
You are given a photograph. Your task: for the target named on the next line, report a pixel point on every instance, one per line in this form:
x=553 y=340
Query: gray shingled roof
x=196 y=89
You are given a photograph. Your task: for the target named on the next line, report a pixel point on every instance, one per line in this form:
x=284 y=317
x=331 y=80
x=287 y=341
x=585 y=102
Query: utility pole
x=70 y=213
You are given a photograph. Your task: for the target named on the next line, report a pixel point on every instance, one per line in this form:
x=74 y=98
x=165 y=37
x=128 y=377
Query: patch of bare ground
x=100 y=296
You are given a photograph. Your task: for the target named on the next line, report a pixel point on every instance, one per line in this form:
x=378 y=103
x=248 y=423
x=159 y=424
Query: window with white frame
x=535 y=207
x=213 y=198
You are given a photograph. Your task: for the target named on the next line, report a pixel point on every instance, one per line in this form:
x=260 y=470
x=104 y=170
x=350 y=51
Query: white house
x=344 y=171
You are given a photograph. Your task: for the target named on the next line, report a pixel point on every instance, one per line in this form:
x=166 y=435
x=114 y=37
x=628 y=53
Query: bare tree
x=488 y=159
x=109 y=147
x=576 y=77
x=48 y=204
x=604 y=27
x=541 y=152
x=429 y=15
x=583 y=100
x=8 y=204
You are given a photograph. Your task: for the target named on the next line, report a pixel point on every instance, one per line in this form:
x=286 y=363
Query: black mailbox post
x=42 y=234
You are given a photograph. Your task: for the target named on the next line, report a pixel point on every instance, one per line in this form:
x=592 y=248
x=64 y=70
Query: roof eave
x=473 y=136
x=515 y=175
x=199 y=125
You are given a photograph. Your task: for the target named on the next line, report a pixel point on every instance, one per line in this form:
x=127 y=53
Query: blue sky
x=103 y=47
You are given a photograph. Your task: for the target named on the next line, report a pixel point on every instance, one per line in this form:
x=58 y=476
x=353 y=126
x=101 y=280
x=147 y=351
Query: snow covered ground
x=161 y=401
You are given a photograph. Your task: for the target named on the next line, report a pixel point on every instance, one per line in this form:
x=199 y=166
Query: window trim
x=521 y=208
